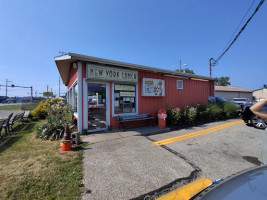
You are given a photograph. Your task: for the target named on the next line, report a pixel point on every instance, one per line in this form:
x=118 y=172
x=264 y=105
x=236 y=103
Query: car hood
x=250 y=184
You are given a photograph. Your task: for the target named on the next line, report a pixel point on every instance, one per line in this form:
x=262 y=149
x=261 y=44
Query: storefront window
x=71 y=97
x=75 y=98
x=124 y=98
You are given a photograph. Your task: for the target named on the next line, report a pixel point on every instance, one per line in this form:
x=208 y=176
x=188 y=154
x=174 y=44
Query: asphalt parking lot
x=138 y=167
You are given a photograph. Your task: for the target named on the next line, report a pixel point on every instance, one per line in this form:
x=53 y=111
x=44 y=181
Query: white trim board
x=79 y=99
x=136 y=99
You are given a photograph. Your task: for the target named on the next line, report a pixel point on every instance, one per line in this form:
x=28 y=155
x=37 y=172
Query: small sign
x=127 y=94
x=125 y=87
x=47 y=94
x=111 y=73
x=116 y=103
x=153 y=87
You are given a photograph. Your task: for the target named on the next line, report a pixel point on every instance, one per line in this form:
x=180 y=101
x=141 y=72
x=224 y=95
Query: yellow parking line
x=181 y=136
x=186 y=136
x=194 y=134
x=188 y=191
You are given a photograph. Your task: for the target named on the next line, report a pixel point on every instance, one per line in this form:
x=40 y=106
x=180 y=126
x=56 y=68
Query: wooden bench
x=6 y=124
x=132 y=118
x=17 y=118
x=2 y=123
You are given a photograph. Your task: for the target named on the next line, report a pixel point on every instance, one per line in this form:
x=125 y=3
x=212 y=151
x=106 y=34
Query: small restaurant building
x=100 y=90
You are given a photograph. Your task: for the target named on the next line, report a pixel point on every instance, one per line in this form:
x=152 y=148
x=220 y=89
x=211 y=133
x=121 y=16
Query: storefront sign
x=153 y=87
x=111 y=73
x=125 y=87
x=127 y=94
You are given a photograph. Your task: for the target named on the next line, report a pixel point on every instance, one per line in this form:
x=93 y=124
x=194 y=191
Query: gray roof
x=64 y=62
x=231 y=89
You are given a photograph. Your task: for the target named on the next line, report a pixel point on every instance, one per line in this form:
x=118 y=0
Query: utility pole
x=59 y=87
x=31 y=95
x=180 y=65
x=210 y=65
x=47 y=92
x=7 y=86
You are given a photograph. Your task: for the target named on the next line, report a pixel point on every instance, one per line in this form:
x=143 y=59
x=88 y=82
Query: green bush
x=190 y=114
x=59 y=113
x=202 y=113
x=173 y=116
x=230 y=109
x=40 y=111
x=216 y=111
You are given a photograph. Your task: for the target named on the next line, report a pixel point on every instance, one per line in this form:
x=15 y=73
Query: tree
x=189 y=71
x=223 y=81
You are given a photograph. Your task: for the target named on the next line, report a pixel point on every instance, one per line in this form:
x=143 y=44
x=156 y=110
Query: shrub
x=40 y=111
x=215 y=111
x=230 y=109
x=202 y=113
x=59 y=113
x=173 y=116
x=190 y=114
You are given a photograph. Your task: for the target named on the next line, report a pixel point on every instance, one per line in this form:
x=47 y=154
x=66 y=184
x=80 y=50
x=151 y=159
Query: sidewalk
x=106 y=136
x=126 y=165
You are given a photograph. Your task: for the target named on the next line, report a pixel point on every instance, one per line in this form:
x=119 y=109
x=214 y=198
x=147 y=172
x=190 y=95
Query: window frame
x=136 y=99
x=182 y=84
x=71 y=92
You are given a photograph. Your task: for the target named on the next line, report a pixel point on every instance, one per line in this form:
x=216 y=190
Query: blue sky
x=154 y=33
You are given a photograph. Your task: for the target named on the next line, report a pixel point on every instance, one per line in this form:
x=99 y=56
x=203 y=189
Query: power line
x=239 y=25
x=214 y=62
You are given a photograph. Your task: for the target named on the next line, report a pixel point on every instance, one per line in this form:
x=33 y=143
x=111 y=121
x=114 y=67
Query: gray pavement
x=106 y=136
x=220 y=153
x=6 y=113
x=128 y=166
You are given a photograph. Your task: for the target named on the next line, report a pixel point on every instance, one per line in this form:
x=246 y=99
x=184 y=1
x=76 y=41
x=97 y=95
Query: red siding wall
x=193 y=92
x=73 y=74
x=149 y=105
x=84 y=70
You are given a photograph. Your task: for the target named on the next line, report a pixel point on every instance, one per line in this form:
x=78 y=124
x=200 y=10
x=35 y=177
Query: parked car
x=3 y=99
x=220 y=99
x=11 y=100
x=251 y=119
x=248 y=184
x=241 y=103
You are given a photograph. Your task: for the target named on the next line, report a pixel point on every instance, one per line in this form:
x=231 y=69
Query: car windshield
x=239 y=99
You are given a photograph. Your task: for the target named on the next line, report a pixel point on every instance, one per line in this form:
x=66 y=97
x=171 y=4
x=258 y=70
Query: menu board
x=153 y=87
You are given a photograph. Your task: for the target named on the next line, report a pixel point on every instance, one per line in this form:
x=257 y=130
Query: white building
x=260 y=94
x=229 y=92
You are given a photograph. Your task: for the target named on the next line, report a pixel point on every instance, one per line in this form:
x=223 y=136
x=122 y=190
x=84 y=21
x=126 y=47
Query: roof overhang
x=64 y=64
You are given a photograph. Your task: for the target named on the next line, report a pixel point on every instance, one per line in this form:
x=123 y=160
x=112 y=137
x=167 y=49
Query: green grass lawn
x=32 y=168
x=24 y=106
x=12 y=107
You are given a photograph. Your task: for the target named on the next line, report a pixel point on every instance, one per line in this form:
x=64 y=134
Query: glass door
x=96 y=106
